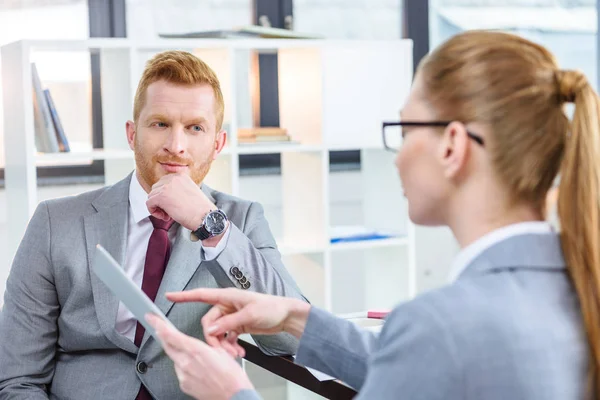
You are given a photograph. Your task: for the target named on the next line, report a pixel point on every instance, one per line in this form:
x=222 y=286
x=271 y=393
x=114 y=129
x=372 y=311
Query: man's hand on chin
x=178 y=197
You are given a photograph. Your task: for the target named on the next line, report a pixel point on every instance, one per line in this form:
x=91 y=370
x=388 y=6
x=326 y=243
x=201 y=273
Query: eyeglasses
x=392 y=138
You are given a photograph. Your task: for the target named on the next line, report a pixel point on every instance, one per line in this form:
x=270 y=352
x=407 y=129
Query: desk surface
x=286 y=368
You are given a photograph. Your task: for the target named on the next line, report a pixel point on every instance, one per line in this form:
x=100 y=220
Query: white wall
x=349 y=19
x=147 y=18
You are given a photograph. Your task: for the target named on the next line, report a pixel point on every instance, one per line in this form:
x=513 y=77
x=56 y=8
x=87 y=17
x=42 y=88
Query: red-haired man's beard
x=151 y=171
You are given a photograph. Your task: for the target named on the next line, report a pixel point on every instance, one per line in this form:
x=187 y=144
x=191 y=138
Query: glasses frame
x=478 y=139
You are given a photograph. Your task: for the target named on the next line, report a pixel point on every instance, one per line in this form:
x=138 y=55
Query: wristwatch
x=214 y=224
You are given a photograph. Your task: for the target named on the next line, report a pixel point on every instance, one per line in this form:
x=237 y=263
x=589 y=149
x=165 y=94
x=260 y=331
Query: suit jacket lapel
x=108 y=227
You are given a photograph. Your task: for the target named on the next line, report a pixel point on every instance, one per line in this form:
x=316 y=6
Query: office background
x=566 y=27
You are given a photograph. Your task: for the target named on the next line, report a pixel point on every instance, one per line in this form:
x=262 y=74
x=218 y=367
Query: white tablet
x=113 y=276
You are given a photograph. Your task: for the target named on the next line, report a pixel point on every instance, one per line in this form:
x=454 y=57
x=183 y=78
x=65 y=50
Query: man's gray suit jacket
x=57 y=327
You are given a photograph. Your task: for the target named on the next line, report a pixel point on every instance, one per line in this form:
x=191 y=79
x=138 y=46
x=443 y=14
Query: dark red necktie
x=157 y=257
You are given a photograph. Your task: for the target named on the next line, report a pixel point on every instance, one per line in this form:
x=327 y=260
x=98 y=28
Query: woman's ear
x=454 y=149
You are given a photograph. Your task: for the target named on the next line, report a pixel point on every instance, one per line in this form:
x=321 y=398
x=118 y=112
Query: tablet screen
x=113 y=276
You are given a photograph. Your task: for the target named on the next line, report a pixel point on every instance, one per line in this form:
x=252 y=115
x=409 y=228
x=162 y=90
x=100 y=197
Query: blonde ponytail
x=579 y=207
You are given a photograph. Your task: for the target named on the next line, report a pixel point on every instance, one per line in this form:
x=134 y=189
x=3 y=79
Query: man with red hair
x=64 y=334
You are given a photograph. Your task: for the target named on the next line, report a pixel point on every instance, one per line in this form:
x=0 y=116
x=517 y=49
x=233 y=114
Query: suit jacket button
x=239 y=275
x=243 y=280
x=234 y=271
x=246 y=285
x=141 y=367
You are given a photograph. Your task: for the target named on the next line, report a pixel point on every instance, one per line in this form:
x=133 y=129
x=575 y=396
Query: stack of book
x=49 y=134
x=262 y=135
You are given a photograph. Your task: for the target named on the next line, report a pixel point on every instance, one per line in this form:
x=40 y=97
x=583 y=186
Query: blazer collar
x=114 y=195
x=470 y=252
x=528 y=251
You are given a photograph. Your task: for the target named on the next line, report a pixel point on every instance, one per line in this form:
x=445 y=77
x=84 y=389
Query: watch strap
x=202 y=233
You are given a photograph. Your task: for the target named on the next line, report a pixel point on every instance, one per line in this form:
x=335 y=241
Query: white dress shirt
x=469 y=253
x=138 y=235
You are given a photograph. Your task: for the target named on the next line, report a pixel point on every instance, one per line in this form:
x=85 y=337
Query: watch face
x=215 y=222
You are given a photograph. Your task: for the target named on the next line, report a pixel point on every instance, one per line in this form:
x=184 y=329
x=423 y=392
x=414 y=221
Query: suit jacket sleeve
x=414 y=357
x=336 y=347
x=28 y=320
x=251 y=261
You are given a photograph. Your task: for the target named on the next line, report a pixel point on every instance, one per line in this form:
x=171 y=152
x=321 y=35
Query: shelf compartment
x=369 y=278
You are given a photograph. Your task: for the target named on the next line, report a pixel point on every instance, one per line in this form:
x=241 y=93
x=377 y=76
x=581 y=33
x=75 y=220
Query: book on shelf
x=263 y=135
x=49 y=133
x=63 y=143
x=248 y=31
x=271 y=140
x=45 y=133
x=262 y=131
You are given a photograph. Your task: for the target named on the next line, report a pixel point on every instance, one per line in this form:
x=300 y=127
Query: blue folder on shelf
x=342 y=234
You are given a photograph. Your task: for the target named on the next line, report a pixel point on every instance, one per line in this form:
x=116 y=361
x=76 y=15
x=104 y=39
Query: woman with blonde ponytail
x=485 y=136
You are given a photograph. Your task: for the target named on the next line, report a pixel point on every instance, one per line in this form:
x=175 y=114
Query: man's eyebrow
x=196 y=120
x=160 y=116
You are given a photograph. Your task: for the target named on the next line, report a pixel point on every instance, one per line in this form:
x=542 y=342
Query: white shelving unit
x=333 y=96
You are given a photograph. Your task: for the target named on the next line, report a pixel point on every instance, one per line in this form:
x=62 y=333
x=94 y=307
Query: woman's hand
x=203 y=372
x=238 y=311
